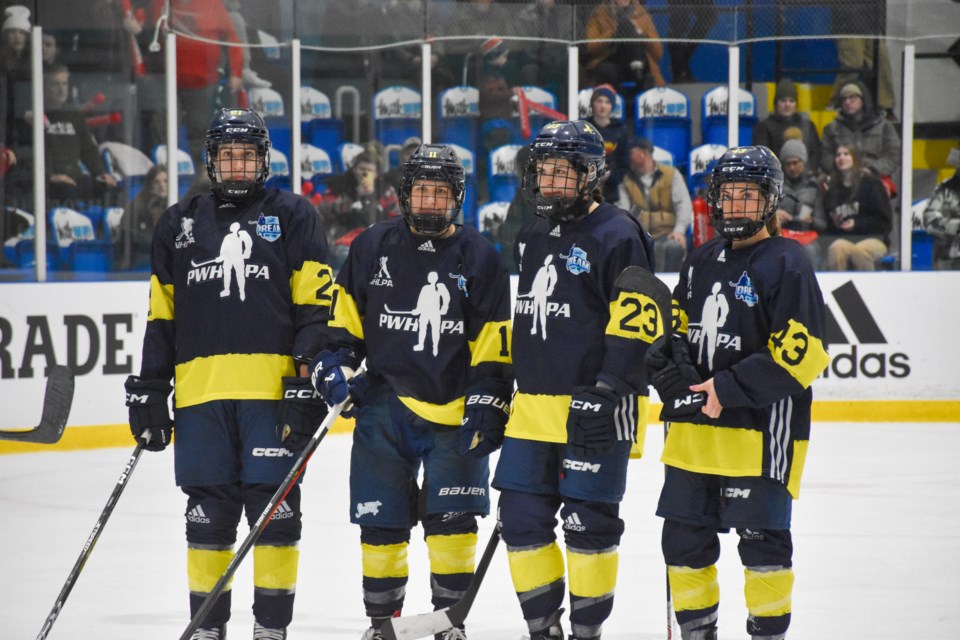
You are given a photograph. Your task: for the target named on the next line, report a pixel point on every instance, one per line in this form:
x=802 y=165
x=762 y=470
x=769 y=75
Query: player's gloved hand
x=330 y=377
x=148 y=411
x=590 y=421
x=671 y=372
x=359 y=386
x=301 y=411
x=484 y=421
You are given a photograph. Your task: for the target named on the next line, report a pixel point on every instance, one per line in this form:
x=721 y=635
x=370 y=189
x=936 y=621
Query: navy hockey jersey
x=237 y=291
x=571 y=325
x=754 y=321
x=432 y=316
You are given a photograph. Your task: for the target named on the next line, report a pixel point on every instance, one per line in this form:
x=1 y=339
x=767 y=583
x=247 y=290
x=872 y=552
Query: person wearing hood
x=861 y=124
x=787 y=123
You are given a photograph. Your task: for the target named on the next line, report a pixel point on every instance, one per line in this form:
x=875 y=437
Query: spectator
x=801 y=210
x=623 y=60
x=704 y=15
x=657 y=196
x=865 y=59
x=15 y=46
x=50 y=50
x=859 y=214
x=860 y=124
x=394 y=175
x=786 y=123
x=941 y=218
x=615 y=134
x=355 y=200
x=198 y=62
x=14 y=98
x=140 y=218
x=68 y=144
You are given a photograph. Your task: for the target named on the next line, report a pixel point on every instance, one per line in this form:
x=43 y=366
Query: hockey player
x=427 y=303
x=239 y=295
x=735 y=382
x=581 y=400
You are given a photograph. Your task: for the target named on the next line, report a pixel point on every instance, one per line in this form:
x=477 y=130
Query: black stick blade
x=57 y=401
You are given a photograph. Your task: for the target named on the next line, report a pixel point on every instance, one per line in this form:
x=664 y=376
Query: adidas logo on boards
x=197 y=515
x=572 y=523
x=427 y=246
x=851 y=359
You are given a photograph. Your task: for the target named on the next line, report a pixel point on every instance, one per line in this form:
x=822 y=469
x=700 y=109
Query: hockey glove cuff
x=590 y=421
x=485 y=415
x=148 y=412
x=359 y=386
x=301 y=411
x=671 y=372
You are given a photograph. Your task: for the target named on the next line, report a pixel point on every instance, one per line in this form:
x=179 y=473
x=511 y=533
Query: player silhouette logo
x=432 y=304
x=185 y=237
x=540 y=291
x=384 y=272
x=714 y=315
x=234 y=249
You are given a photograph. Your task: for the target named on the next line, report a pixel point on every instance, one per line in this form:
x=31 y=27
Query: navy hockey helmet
x=237 y=126
x=757 y=165
x=581 y=145
x=437 y=162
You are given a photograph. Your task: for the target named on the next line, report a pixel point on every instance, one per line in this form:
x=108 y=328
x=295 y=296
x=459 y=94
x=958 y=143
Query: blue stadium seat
x=315 y=166
x=396 y=117
x=701 y=163
x=662 y=116
x=468 y=160
x=503 y=181
x=662 y=156
x=459 y=116
x=345 y=155
x=713 y=116
x=279 y=177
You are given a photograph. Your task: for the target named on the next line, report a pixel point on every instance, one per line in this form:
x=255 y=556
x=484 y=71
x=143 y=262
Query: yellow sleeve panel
x=275 y=568
x=539 y=417
x=768 y=593
x=204 y=568
x=724 y=451
x=232 y=376
x=636 y=317
x=801 y=354
x=452 y=554
x=384 y=560
x=345 y=313
x=693 y=589
x=493 y=344
x=680 y=319
x=161 y=300
x=311 y=284
x=450 y=414
x=534 y=568
x=592 y=574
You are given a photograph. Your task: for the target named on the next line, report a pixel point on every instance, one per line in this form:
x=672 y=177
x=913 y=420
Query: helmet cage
x=439 y=163
x=237 y=126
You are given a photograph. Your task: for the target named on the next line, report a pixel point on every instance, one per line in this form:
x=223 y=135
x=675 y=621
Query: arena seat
x=713 y=116
x=701 y=163
x=396 y=117
x=503 y=181
x=662 y=116
x=459 y=116
x=318 y=126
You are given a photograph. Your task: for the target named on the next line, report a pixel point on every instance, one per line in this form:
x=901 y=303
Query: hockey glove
x=359 y=386
x=484 y=422
x=590 y=421
x=671 y=372
x=330 y=377
x=301 y=411
x=148 y=411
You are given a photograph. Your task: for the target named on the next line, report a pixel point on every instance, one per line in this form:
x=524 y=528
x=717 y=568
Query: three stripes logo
x=572 y=523
x=850 y=331
x=283 y=512
x=197 y=515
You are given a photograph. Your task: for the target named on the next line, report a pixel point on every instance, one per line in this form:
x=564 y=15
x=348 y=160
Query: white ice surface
x=876 y=535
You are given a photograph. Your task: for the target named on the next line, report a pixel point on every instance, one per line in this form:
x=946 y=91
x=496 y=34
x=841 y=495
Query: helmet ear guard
x=237 y=126
x=440 y=163
x=755 y=165
x=580 y=144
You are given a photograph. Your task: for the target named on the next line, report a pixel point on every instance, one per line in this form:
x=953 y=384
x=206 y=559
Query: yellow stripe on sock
x=385 y=560
x=532 y=568
x=275 y=567
x=694 y=589
x=452 y=554
x=592 y=574
x=205 y=566
x=768 y=593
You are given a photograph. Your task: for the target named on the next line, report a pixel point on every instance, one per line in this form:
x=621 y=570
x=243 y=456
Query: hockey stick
x=91 y=541
x=428 y=624
x=644 y=282
x=57 y=400
x=257 y=529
